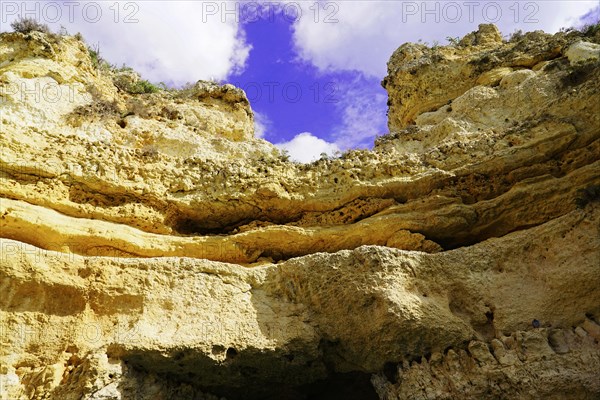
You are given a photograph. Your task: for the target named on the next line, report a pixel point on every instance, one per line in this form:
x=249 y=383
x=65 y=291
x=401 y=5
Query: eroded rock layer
x=153 y=248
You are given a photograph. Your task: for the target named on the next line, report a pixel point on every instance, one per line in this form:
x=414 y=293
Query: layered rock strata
x=152 y=247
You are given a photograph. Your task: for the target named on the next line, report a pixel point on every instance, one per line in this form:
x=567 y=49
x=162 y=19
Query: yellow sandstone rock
x=153 y=248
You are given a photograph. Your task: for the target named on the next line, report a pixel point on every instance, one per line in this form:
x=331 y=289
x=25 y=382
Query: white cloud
x=367 y=32
x=592 y=17
x=262 y=124
x=363 y=117
x=362 y=109
x=362 y=122
x=170 y=41
x=306 y=147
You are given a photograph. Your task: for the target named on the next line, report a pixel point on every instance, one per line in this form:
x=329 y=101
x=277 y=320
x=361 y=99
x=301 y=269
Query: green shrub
x=95 y=56
x=454 y=41
x=97 y=61
x=142 y=86
x=516 y=36
x=27 y=25
x=284 y=155
x=137 y=87
x=591 y=29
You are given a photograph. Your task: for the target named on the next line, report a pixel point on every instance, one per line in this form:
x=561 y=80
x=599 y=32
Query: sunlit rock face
x=153 y=248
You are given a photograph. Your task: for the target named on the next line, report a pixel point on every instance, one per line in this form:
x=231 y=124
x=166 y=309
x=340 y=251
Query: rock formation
x=153 y=248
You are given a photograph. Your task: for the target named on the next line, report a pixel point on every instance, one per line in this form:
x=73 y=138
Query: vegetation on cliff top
x=27 y=25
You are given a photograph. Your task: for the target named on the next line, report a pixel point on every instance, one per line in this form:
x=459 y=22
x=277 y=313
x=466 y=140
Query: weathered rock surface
x=523 y=365
x=153 y=248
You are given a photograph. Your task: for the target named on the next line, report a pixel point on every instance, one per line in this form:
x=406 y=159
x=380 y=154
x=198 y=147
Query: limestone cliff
x=152 y=248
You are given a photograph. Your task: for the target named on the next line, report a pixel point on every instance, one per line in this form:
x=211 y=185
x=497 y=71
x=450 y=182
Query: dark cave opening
x=347 y=386
x=249 y=375
x=342 y=386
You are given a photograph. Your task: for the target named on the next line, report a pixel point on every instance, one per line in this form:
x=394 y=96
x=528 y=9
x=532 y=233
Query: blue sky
x=311 y=69
x=283 y=88
x=290 y=95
